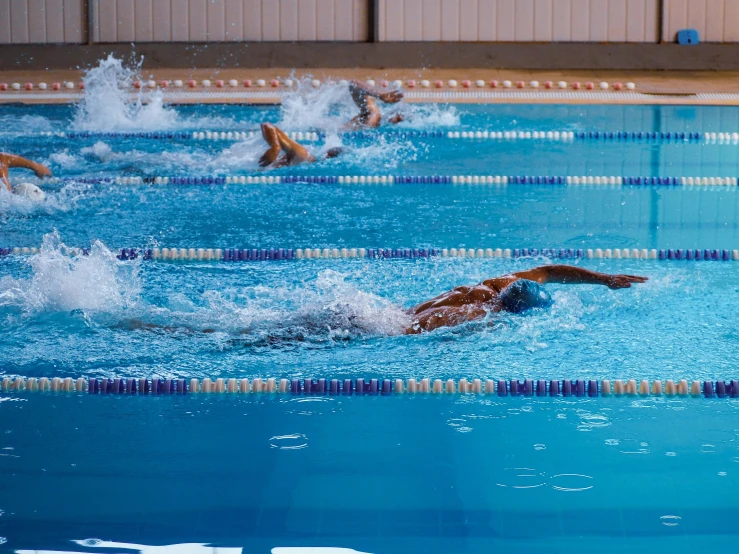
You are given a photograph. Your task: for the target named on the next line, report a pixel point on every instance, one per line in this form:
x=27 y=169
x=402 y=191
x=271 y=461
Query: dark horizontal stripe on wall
x=381 y=54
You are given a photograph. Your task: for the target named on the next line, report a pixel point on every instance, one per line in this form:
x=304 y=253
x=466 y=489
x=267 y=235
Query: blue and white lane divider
x=176 y=135
x=286 y=254
x=499 y=180
x=602 y=136
x=372 y=387
x=486 y=134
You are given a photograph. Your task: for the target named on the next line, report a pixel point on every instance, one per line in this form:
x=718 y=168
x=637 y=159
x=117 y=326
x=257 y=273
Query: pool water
x=372 y=474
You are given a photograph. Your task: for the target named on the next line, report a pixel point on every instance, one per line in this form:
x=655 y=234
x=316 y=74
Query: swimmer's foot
x=391 y=97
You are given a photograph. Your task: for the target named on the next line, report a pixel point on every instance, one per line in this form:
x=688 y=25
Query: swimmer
x=293 y=152
x=515 y=293
x=369 y=113
x=9 y=160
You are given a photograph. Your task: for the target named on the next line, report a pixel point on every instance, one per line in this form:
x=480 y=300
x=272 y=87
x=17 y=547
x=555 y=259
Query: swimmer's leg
x=269 y=132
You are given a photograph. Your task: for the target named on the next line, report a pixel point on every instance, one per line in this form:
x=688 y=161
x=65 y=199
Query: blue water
x=371 y=474
x=400 y=215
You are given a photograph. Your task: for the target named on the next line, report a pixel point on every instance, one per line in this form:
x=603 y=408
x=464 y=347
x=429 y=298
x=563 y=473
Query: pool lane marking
x=385 y=387
x=673 y=137
x=275 y=97
x=287 y=254
x=262 y=179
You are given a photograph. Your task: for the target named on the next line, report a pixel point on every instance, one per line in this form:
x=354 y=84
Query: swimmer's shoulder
x=497 y=284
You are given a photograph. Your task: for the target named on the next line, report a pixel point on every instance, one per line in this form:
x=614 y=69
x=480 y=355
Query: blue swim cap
x=523 y=295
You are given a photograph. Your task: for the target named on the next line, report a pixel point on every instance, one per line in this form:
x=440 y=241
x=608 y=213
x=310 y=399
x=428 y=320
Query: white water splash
x=328 y=309
x=25 y=124
x=178 y=159
x=61 y=282
x=330 y=107
x=63 y=159
x=108 y=104
x=99 y=151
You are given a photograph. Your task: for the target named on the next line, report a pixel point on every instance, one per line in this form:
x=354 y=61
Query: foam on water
x=25 y=124
x=425 y=116
x=63 y=159
x=180 y=159
x=60 y=282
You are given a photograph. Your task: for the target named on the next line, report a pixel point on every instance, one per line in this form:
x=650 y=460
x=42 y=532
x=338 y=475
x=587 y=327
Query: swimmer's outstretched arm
x=269 y=133
x=294 y=150
x=360 y=91
x=571 y=275
x=10 y=160
x=4 y=177
x=279 y=141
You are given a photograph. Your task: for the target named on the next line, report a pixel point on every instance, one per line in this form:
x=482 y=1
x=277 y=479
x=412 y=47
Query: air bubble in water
x=296 y=441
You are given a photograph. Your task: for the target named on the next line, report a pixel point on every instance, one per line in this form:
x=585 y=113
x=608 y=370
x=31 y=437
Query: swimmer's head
x=334 y=152
x=523 y=295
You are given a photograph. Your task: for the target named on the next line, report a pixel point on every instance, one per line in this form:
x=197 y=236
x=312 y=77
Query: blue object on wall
x=688 y=36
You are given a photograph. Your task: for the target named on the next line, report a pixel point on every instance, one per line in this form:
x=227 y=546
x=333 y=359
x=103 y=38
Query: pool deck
x=668 y=87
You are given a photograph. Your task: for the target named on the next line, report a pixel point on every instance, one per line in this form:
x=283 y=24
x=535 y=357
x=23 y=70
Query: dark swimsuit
x=523 y=295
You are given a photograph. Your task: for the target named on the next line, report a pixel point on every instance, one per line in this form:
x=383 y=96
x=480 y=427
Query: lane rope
x=261 y=179
x=273 y=96
x=286 y=254
x=508 y=135
x=348 y=387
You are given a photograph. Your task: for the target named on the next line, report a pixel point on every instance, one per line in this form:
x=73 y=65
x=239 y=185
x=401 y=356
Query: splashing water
x=380 y=152
x=329 y=309
x=61 y=282
x=107 y=104
x=330 y=106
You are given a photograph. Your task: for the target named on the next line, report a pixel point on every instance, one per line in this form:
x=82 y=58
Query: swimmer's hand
x=42 y=171
x=621 y=281
x=391 y=97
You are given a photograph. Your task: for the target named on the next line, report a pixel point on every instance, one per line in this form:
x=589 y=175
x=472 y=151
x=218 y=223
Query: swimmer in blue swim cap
x=8 y=161
x=515 y=293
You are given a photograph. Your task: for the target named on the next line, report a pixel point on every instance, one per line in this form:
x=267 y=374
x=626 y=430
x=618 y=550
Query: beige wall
x=715 y=20
x=519 y=20
x=230 y=20
x=42 y=21
x=57 y=21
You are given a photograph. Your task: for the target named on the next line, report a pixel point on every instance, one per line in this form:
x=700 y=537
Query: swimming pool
x=393 y=473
